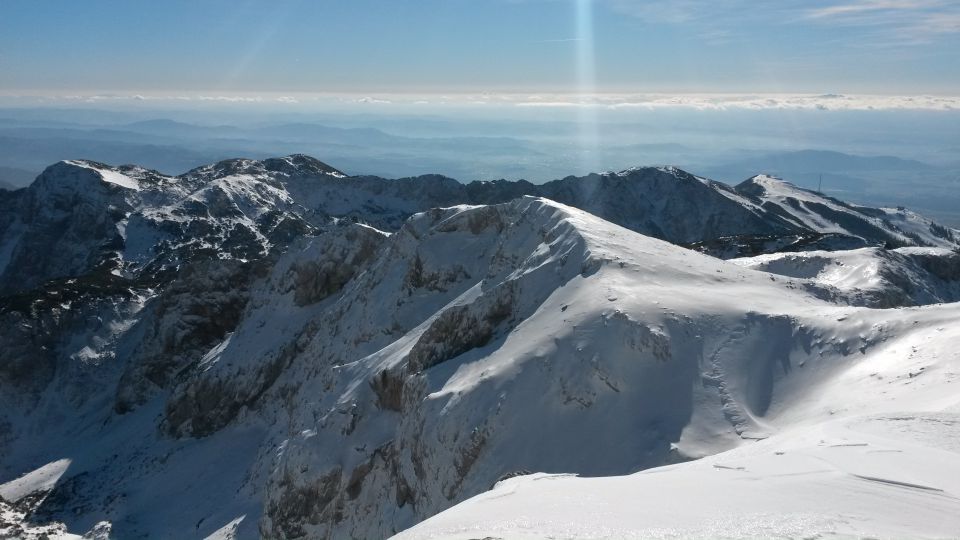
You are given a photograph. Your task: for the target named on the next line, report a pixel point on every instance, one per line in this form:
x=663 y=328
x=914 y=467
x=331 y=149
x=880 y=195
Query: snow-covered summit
x=108 y=175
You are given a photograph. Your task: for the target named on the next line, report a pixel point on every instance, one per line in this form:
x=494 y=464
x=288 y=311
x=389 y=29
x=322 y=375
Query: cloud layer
x=601 y=101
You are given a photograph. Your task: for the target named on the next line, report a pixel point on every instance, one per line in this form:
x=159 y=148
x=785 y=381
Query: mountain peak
x=657 y=170
x=761 y=184
x=301 y=165
x=108 y=174
x=292 y=165
x=68 y=173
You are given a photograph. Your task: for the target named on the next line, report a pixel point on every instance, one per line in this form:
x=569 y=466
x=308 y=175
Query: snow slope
x=851 y=478
x=873 y=277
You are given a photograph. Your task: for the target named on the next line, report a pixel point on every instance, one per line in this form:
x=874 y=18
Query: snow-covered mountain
x=842 y=224
x=275 y=348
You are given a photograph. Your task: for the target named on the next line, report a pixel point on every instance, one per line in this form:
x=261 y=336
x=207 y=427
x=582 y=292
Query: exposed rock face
x=462 y=328
x=193 y=314
x=310 y=273
x=314 y=279
x=63 y=225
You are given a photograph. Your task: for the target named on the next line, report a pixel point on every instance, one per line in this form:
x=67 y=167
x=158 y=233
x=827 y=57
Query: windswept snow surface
x=109 y=175
x=874 y=277
x=870 y=450
x=41 y=479
x=883 y=476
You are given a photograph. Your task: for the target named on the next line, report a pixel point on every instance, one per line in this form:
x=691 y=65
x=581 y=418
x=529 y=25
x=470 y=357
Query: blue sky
x=364 y=46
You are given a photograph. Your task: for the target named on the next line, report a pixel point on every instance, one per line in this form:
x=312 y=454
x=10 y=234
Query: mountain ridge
x=664 y=202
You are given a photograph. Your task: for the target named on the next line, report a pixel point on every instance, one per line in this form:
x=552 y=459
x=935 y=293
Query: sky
x=64 y=48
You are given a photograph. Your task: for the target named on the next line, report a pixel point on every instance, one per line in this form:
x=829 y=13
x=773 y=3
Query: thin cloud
x=559 y=40
x=713 y=12
x=893 y=22
x=231 y=99
x=722 y=102
x=608 y=101
x=944 y=23
x=872 y=6
x=884 y=22
x=368 y=99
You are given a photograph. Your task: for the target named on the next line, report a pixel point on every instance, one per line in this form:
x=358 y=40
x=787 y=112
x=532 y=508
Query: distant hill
x=812 y=160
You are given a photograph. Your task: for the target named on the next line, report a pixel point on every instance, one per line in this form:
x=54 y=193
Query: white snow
x=121 y=180
x=854 y=269
x=228 y=531
x=859 y=477
x=39 y=480
x=803 y=207
x=901 y=276
x=110 y=176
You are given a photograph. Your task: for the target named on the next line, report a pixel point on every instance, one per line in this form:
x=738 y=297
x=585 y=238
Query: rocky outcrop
x=317 y=277
x=63 y=225
x=193 y=314
x=462 y=328
x=309 y=273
